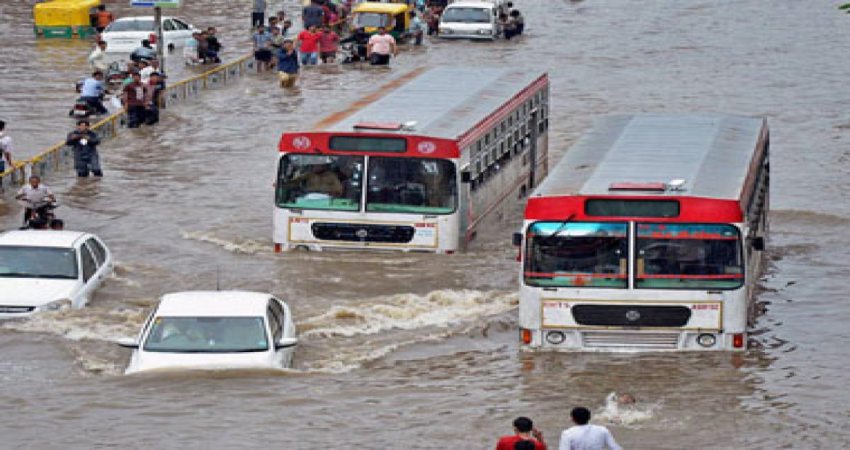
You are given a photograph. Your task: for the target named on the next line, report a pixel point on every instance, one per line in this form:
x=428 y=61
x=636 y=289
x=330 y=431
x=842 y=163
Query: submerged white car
x=126 y=34
x=46 y=270
x=214 y=330
x=470 y=20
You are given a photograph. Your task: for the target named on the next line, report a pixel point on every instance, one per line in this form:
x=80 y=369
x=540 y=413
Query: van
x=470 y=20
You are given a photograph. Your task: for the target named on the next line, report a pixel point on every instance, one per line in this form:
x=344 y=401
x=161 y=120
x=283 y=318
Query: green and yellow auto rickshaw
x=395 y=17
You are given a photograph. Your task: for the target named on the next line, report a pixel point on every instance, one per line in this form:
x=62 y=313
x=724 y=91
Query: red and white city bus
x=648 y=235
x=417 y=165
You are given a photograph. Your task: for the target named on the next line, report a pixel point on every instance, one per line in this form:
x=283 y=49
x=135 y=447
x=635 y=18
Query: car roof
x=472 y=4
x=41 y=238
x=213 y=304
x=125 y=19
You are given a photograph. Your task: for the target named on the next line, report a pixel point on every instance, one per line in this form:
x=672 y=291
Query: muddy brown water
x=418 y=351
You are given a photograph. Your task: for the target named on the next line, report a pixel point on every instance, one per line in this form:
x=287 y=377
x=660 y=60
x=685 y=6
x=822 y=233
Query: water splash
x=629 y=415
x=244 y=246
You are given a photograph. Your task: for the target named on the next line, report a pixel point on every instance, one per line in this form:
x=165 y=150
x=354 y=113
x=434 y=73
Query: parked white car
x=214 y=330
x=126 y=34
x=470 y=20
x=45 y=270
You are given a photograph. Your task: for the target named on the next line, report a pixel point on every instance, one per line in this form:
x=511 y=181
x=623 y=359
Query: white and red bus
x=415 y=166
x=648 y=235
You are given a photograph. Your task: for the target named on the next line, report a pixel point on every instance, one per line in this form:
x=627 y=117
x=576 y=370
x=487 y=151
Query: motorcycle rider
x=92 y=92
x=36 y=196
x=144 y=52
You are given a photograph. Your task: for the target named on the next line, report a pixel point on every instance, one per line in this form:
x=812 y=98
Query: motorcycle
x=41 y=217
x=352 y=53
x=82 y=109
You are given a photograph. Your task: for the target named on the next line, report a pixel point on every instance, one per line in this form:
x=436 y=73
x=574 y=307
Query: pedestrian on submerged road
x=258 y=15
x=584 y=436
x=262 y=53
x=308 y=44
x=313 y=15
x=134 y=101
x=97 y=58
x=287 y=64
x=102 y=18
x=524 y=431
x=84 y=143
x=5 y=148
x=380 y=47
x=328 y=43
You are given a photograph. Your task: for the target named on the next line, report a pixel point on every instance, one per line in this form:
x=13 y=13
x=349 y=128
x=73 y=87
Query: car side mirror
x=286 y=343
x=127 y=343
x=757 y=243
x=517 y=239
x=465 y=177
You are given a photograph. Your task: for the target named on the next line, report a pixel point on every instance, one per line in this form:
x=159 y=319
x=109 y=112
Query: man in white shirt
x=35 y=195
x=5 y=148
x=97 y=59
x=380 y=47
x=584 y=436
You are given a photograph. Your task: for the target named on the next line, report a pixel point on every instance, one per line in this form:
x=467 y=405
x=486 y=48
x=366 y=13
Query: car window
x=167 y=25
x=89 y=264
x=98 y=250
x=275 y=320
x=180 y=25
x=131 y=25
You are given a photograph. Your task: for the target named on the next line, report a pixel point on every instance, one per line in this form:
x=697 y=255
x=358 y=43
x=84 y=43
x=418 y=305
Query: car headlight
x=58 y=305
x=446 y=31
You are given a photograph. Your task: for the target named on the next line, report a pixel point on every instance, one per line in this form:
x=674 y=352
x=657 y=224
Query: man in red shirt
x=134 y=96
x=309 y=41
x=524 y=431
x=328 y=45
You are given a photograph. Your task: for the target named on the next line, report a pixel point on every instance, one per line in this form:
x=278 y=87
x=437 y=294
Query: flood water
x=419 y=351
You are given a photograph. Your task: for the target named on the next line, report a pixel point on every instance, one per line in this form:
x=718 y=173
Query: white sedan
x=214 y=330
x=45 y=270
x=126 y=34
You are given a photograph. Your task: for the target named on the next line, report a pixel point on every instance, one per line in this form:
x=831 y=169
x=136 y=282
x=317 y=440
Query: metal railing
x=58 y=155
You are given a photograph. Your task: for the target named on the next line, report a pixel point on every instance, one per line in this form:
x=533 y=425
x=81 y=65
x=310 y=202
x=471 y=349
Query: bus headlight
x=555 y=337
x=706 y=340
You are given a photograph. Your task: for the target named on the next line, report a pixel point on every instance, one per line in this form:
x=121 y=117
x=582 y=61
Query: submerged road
x=420 y=351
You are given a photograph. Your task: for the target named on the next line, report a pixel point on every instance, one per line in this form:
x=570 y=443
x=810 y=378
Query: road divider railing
x=59 y=155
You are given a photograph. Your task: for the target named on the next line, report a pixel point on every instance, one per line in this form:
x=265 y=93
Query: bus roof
x=712 y=153
x=445 y=102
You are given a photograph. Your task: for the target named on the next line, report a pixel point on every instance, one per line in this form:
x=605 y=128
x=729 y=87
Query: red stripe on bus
x=729 y=276
x=691 y=209
x=575 y=275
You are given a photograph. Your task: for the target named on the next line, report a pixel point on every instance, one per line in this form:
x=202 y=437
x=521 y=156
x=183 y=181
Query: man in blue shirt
x=287 y=64
x=262 y=53
x=93 y=90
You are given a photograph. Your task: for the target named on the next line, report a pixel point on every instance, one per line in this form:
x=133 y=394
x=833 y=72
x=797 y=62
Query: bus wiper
x=563 y=227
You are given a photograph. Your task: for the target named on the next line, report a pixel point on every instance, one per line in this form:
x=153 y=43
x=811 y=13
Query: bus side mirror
x=757 y=243
x=465 y=177
x=517 y=239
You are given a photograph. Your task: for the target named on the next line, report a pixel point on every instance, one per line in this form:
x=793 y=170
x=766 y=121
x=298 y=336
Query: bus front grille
x=630 y=340
x=631 y=315
x=358 y=232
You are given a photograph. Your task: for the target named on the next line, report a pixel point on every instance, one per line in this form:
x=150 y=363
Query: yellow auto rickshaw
x=395 y=17
x=65 y=18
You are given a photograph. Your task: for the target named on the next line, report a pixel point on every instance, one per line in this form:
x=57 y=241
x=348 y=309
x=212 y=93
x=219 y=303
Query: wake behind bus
x=416 y=166
x=648 y=235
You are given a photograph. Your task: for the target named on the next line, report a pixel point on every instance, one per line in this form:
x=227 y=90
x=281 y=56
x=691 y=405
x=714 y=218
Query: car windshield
x=580 y=254
x=674 y=256
x=411 y=185
x=467 y=15
x=371 y=20
x=130 y=25
x=38 y=262
x=320 y=182
x=207 y=335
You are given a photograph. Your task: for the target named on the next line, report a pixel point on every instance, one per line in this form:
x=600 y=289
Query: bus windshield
x=577 y=254
x=411 y=185
x=688 y=256
x=320 y=182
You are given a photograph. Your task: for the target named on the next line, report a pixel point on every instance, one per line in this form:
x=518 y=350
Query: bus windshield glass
x=688 y=256
x=411 y=185
x=577 y=254
x=467 y=15
x=320 y=182
x=371 y=20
